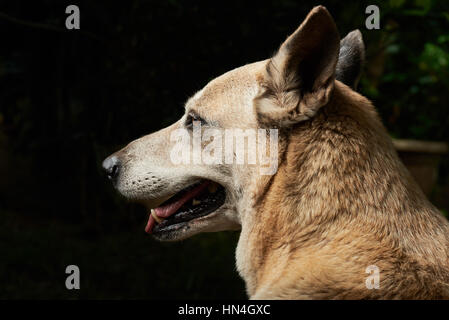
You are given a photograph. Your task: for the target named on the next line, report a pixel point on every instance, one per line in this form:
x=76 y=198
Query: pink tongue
x=150 y=224
x=170 y=208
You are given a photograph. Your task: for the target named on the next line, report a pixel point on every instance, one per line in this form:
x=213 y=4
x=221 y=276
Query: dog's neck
x=331 y=169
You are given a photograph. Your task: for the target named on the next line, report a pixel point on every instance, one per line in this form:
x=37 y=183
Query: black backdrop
x=70 y=98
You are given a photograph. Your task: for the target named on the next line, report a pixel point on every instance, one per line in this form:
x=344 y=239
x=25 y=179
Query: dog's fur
x=351 y=59
x=341 y=199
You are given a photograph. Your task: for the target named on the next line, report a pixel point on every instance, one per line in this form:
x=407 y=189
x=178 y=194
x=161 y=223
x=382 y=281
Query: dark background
x=70 y=98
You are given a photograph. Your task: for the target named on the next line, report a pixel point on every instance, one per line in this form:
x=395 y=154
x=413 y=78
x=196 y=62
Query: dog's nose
x=111 y=166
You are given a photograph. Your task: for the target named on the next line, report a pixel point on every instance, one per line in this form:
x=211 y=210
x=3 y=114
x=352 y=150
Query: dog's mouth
x=193 y=202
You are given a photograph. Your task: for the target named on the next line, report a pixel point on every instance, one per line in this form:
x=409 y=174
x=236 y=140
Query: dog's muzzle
x=111 y=166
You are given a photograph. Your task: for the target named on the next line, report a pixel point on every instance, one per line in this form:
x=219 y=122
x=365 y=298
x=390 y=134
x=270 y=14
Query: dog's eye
x=191 y=117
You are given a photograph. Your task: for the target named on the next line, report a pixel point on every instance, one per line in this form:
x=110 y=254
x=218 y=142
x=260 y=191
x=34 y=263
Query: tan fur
x=340 y=201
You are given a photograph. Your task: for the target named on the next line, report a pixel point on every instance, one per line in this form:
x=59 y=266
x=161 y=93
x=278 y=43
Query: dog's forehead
x=229 y=89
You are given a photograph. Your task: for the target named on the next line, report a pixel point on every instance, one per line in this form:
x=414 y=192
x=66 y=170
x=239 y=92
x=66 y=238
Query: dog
x=340 y=203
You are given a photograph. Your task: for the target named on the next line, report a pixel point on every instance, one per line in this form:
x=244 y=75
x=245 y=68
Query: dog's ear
x=299 y=78
x=351 y=59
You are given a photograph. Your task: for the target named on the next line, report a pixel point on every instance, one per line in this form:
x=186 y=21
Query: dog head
x=189 y=174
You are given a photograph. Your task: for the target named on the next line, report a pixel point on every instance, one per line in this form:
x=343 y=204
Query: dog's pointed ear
x=299 y=78
x=351 y=59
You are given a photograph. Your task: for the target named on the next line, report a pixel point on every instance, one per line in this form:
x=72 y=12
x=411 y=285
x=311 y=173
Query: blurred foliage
x=409 y=77
x=70 y=98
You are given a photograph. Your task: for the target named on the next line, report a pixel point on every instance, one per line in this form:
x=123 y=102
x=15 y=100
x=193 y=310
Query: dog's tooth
x=212 y=188
x=158 y=219
x=195 y=202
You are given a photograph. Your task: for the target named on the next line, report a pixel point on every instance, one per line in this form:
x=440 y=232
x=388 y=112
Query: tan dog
x=340 y=201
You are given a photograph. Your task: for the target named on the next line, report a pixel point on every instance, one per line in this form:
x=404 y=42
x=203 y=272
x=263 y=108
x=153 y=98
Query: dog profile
x=340 y=201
